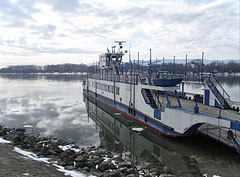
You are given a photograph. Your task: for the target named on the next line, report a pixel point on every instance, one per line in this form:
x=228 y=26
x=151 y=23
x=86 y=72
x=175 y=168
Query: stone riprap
x=90 y=161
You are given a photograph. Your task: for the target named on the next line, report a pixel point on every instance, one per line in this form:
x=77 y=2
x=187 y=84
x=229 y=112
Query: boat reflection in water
x=135 y=143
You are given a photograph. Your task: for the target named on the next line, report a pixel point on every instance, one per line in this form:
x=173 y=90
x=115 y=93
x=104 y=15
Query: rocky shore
x=91 y=161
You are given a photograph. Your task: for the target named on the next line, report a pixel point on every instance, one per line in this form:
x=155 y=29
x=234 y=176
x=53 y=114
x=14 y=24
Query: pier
x=217 y=133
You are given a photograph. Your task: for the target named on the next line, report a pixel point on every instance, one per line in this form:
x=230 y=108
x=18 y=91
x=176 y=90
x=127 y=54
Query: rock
x=154 y=173
x=99 y=160
x=81 y=152
x=131 y=175
x=98 y=174
x=167 y=175
x=124 y=164
x=20 y=130
x=45 y=151
x=70 y=168
x=62 y=163
x=103 y=166
x=139 y=167
x=106 y=174
x=123 y=169
x=80 y=159
x=66 y=154
x=130 y=171
x=165 y=169
x=112 y=166
x=80 y=164
x=94 y=157
x=110 y=155
x=114 y=174
x=153 y=169
x=15 y=139
x=52 y=152
x=192 y=158
x=87 y=169
x=56 y=149
x=72 y=157
x=90 y=164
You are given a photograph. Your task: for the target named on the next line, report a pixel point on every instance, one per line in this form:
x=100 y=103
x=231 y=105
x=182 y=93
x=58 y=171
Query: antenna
x=120 y=42
x=120 y=45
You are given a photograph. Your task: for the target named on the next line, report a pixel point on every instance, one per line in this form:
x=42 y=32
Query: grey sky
x=77 y=31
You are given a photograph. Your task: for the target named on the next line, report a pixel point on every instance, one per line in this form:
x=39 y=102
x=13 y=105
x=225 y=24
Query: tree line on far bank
x=194 y=66
x=59 y=68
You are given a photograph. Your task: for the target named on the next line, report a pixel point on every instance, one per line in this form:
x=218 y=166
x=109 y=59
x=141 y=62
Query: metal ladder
x=222 y=96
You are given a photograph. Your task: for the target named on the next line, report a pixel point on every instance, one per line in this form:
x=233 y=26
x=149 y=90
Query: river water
x=53 y=105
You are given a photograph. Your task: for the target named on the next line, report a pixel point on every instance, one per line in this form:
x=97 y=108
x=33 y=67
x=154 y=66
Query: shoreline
x=58 y=158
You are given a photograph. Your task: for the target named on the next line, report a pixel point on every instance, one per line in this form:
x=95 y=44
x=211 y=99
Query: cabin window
x=112 y=89
x=108 y=88
x=117 y=91
x=145 y=119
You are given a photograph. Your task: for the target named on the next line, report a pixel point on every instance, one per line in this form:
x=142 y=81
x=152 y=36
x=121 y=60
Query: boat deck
x=190 y=104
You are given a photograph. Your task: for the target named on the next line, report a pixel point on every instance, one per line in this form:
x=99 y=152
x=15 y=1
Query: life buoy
x=126 y=78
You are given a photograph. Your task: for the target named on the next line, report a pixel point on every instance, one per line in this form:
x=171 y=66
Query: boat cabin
x=110 y=62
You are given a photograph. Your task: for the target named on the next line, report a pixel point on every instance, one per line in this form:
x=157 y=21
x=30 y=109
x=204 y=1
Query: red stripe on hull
x=132 y=117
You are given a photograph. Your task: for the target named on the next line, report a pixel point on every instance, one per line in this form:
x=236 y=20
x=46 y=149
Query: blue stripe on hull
x=139 y=117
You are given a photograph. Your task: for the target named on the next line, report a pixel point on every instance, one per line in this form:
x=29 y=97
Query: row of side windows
x=105 y=87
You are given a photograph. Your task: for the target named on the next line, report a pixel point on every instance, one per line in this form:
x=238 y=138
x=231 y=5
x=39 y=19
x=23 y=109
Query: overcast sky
x=77 y=31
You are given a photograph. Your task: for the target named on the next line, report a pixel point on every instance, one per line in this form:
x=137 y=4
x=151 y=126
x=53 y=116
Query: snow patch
x=26 y=174
x=28 y=126
x=71 y=172
x=66 y=147
x=2 y=141
x=31 y=155
x=137 y=129
x=47 y=160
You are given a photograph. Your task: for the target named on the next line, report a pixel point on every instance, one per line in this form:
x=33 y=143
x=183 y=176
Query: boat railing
x=194 y=77
x=166 y=75
x=126 y=78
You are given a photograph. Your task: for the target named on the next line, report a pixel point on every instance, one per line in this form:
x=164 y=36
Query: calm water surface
x=54 y=106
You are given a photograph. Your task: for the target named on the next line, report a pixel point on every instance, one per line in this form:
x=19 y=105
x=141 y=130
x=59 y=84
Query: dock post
x=196 y=108
x=168 y=101
x=179 y=103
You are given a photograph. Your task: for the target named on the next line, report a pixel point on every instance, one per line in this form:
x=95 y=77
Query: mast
x=185 y=68
x=173 y=65
x=202 y=67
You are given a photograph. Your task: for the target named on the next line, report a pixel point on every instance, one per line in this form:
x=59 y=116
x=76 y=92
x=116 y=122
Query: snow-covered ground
x=33 y=156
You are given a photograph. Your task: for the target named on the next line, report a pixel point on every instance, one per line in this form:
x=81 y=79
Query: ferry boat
x=155 y=102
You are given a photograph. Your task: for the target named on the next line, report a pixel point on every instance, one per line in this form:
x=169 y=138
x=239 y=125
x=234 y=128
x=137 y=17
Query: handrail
x=224 y=91
x=155 y=98
x=145 y=96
